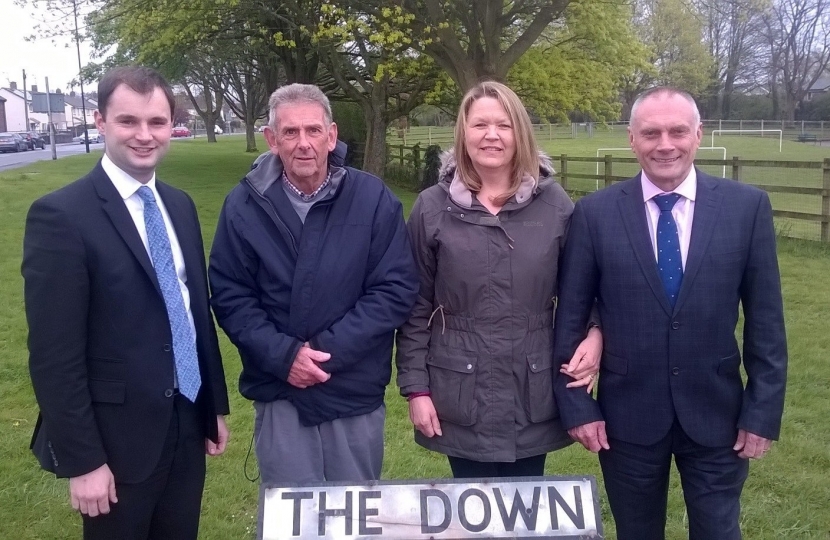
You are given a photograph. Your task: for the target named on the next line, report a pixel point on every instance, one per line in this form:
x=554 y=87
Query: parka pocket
x=539 y=403
x=452 y=380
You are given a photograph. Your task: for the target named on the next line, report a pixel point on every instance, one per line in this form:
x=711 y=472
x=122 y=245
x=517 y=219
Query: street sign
x=39 y=102
x=530 y=507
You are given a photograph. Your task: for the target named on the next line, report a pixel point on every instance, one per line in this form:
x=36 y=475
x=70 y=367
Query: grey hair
x=668 y=91
x=297 y=93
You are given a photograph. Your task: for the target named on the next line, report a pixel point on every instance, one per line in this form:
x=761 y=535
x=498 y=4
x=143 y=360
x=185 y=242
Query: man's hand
x=591 y=436
x=92 y=493
x=304 y=371
x=423 y=416
x=750 y=445
x=584 y=364
x=215 y=449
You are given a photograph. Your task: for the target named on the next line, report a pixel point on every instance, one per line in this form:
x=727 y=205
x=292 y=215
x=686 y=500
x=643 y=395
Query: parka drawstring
x=443 y=323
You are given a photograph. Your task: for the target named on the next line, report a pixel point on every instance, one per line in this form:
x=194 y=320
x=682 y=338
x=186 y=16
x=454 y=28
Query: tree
x=672 y=32
x=798 y=41
x=370 y=58
x=730 y=27
x=481 y=39
x=581 y=65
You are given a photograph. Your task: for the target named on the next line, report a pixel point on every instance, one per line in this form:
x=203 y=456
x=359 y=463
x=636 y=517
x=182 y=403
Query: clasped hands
x=305 y=371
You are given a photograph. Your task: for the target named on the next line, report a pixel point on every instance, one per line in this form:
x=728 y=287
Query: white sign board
x=534 y=507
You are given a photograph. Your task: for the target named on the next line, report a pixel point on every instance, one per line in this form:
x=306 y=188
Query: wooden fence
x=736 y=165
x=735 y=168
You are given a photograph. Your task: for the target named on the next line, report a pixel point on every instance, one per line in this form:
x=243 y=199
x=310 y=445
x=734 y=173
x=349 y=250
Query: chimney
x=13 y=85
x=34 y=89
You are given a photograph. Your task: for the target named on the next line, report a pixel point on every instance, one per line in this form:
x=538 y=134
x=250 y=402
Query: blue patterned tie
x=184 y=342
x=669 y=262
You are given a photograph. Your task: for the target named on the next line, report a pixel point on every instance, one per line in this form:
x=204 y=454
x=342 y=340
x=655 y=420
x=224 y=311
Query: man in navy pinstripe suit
x=670 y=382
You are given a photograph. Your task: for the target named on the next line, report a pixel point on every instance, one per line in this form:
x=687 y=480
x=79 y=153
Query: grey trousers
x=343 y=450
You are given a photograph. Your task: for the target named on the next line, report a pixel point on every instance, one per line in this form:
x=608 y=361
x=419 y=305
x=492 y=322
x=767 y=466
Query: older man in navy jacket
x=311 y=272
x=669 y=256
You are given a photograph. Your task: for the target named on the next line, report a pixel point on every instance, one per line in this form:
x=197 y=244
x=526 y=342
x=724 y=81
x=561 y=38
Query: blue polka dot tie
x=669 y=262
x=184 y=342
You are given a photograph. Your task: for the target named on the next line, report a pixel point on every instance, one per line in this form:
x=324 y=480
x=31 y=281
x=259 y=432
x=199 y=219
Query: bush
x=432 y=166
x=404 y=176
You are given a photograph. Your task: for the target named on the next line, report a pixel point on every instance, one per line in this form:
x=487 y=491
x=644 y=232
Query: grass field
x=786 y=497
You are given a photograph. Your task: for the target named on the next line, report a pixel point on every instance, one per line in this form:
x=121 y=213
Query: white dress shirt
x=683 y=211
x=127 y=187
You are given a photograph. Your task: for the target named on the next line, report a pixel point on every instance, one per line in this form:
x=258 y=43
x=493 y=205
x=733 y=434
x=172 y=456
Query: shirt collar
x=687 y=188
x=306 y=197
x=125 y=184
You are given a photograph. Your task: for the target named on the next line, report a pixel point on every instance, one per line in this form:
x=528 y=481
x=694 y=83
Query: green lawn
x=786 y=497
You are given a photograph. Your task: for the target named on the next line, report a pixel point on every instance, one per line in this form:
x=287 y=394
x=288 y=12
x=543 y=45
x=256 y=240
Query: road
x=13 y=160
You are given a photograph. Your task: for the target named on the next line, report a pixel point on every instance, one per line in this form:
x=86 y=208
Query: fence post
x=607 y=173
x=736 y=168
x=400 y=154
x=550 y=131
x=825 y=201
x=430 y=135
x=563 y=171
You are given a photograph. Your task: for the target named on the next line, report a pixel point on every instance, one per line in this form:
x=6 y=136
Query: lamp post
x=80 y=75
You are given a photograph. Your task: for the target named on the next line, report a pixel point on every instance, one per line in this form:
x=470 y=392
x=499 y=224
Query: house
x=74 y=111
x=821 y=86
x=17 y=103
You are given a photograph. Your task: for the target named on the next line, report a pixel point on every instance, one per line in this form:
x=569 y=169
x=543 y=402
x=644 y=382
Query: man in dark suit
x=123 y=352
x=668 y=256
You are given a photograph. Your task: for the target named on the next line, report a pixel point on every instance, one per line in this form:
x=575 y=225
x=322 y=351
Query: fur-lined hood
x=463 y=197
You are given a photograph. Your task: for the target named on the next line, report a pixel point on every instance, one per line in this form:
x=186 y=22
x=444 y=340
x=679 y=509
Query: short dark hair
x=139 y=79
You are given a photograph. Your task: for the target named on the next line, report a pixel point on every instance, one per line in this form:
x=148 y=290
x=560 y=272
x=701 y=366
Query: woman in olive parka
x=475 y=358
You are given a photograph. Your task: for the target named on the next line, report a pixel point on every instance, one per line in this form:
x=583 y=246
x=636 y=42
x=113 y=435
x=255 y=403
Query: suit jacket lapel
x=707 y=208
x=123 y=222
x=633 y=213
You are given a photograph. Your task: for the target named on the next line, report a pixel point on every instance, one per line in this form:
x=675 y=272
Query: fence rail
x=801 y=209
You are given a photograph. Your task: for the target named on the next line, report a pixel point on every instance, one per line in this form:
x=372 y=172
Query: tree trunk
x=374 y=156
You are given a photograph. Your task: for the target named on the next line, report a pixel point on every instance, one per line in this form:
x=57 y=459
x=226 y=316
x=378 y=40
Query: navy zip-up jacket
x=343 y=281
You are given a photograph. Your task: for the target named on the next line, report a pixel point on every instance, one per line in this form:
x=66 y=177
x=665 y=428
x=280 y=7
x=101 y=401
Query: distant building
x=74 y=112
x=821 y=86
x=17 y=101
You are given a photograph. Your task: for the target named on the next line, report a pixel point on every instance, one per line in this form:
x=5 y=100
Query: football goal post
x=743 y=131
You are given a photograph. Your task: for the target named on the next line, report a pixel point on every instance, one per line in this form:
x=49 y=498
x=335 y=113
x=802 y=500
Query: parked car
x=33 y=140
x=12 y=142
x=181 y=131
x=94 y=137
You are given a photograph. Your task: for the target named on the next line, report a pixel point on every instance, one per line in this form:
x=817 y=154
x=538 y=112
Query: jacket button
x=675 y=325
x=168 y=392
x=532 y=366
x=167 y=347
x=449 y=209
x=469 y=366
x=462 y=215
x=675 y=371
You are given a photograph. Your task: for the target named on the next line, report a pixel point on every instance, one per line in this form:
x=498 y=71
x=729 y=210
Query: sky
x=55 y=58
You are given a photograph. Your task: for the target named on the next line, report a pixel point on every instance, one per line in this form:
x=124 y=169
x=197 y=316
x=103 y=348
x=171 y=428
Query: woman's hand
x=584 y=364
x=423 y=416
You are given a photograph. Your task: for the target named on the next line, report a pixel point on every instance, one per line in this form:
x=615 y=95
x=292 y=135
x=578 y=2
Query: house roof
x=821 y=85
x=75 y=101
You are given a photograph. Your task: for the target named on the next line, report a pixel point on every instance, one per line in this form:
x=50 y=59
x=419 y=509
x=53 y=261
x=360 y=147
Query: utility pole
x=52 y=132
x=80 y=75
x=25 y=101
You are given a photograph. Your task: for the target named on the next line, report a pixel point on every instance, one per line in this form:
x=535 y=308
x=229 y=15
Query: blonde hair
x=526 y=157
